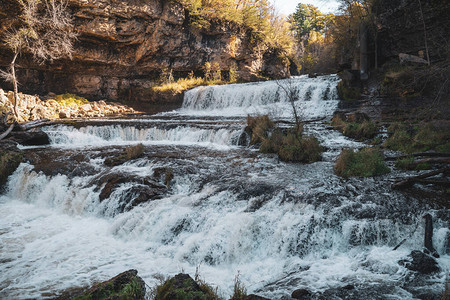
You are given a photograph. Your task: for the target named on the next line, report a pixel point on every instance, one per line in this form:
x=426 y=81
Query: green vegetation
x=9 y=161
x=362 y=129
x=109 y=290
x=289 y=144
x=70 y=100
x=409 y=163
x=424 y=137
x=258 y=16
x=366 y=162
x=183 y=287
x=212 y=76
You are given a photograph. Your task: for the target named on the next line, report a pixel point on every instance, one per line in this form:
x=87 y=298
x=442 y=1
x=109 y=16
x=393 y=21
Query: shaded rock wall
x=401 y=28
x=123 y=45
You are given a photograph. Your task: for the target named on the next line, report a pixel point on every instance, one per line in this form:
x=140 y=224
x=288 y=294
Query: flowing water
x=200 y=199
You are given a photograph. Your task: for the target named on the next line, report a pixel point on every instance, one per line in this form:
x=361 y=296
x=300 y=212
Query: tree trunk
x=424 y=32
x=16 y=90
x=363 y=60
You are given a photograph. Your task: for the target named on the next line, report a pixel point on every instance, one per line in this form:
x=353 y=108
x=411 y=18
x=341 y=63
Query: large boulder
x=124 y=286
x=420 y=262
x=182 y=287
x=30 y=138
x=10 y=158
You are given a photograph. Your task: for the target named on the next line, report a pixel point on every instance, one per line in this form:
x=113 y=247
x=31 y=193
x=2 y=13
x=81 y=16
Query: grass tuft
x=366 y=162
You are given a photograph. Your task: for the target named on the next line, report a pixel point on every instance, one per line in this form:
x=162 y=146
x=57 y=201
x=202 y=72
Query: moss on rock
x=183 y=287
x=124 y=286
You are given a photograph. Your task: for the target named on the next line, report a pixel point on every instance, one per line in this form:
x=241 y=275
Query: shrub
x=216 y=72
x=290 y=144
x=260 y=127
x=366 y=162
x=70 y=100
x=134 y=152
x=424 y=137
x=232 y=75
x=357 y=130
x=207 y=71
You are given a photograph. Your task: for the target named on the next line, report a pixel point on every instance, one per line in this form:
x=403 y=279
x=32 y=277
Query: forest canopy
x=258 y=16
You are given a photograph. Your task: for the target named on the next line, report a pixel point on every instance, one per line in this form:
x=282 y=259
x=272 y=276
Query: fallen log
x=419 y=154
x=415 y=179
x=34 y=124
x=303 y=122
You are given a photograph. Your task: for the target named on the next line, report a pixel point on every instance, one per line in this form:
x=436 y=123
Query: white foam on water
x=98 y=136
x=55 y=233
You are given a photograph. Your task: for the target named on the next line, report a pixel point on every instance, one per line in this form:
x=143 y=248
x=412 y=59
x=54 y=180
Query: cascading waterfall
x=62 y=135
x=315 y=97
x=234 y=211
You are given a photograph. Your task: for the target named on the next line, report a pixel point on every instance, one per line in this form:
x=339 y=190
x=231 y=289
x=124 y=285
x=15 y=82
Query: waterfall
x=314 y=97
x=195 y=199
x=70 y=136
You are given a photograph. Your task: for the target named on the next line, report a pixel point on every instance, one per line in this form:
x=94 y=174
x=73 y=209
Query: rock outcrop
x=126 y=285
x=123 y=45
x=32 y=108
x=401 y=28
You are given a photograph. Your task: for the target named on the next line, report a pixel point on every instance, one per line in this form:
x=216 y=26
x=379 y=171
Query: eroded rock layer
x=123 y=45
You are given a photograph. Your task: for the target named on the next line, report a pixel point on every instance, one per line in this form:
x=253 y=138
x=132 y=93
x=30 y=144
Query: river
x=199 y=199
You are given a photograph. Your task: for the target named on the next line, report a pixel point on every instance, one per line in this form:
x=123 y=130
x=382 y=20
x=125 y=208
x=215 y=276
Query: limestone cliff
x=123 y=45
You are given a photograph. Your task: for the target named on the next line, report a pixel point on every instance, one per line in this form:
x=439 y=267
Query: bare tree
x=288 y=87
x=44 y=29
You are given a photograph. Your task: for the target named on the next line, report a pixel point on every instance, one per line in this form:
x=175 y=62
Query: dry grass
x=184 y=84
x=70 y=100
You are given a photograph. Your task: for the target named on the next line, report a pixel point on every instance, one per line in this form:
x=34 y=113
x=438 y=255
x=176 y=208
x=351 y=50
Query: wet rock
x=245 y=137
x=30 y=138
x=420 y=262
x=164 y=175
x=143 y=190
x=10 y=158
x=126 y=285
x=302 y=294
x=182 y=286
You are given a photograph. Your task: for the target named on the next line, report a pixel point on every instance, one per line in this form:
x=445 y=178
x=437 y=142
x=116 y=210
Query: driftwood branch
x=420 y=178
x=34 y=124
x=7 y=132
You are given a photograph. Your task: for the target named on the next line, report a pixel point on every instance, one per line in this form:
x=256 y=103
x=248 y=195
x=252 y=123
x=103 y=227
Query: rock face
x=123 y=45
x=32 y=108
x=401 y=28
